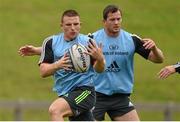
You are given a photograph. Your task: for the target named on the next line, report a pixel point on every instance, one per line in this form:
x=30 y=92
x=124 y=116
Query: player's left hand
x=149 y=44
x=95 y=50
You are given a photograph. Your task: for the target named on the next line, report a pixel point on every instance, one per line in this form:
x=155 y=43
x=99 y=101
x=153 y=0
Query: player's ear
x=61 y=26
x=104 y=22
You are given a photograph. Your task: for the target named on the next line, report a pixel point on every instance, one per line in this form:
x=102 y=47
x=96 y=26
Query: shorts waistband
x=115 y=94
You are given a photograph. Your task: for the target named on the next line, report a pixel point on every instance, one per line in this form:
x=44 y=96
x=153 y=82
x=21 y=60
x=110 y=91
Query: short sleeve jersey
x=54 y=47
x=119 y=55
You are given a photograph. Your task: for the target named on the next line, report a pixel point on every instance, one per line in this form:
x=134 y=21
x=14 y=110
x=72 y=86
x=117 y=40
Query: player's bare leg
x=130 y=116
x=59 y=109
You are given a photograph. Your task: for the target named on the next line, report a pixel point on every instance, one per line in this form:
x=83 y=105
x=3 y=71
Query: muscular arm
x=156 y=54
x=99 y=65
x=47 y=64
x=48 y=69
x=148 y=49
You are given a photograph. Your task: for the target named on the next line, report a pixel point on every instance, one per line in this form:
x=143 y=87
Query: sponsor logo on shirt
x=113 y=47
x=113 y=67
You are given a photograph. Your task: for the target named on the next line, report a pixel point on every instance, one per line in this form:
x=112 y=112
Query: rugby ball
x=80 y=61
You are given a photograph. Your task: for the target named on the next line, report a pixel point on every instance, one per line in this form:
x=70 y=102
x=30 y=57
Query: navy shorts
x=81 y=101
x=115 y=105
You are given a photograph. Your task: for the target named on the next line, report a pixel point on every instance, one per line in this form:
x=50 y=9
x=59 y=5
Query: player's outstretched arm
x=168 y=70
x=29 y=50
x=156 y=54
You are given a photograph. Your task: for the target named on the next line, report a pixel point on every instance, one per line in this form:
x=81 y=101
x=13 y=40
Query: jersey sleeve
x=47 y=55
x=177 y=67
x=139 y=48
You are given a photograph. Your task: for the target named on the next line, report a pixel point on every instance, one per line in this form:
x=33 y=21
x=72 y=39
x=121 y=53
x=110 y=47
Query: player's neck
x=69 y=39
x=112 y=34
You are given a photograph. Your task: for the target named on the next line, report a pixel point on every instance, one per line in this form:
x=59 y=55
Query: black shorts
x=115 y=105
x=81 y=101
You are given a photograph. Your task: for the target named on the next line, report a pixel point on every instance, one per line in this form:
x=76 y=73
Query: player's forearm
x=48 y=69
x=38 y=51
x=156 y=56
x=99 y=65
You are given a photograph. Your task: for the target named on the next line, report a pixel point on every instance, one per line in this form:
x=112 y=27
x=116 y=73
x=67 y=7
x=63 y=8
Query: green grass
x=30 y=21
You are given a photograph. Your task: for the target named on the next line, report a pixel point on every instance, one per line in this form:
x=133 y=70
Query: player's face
x=71 y=27
x=113 y=23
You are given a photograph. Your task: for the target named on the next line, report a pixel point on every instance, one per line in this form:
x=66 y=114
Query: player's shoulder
x=135 y=36
x=97 y=35
x=56 y=38
x=82 y=36
x=48 y=38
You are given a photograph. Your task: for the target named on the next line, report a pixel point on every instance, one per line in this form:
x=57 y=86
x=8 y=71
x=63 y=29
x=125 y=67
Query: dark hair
x=69 y=13
x=110 y=9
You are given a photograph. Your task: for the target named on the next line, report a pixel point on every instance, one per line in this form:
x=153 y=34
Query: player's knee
x=54 y=111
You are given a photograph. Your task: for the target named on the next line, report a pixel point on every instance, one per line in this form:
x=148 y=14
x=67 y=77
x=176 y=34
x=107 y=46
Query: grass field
x=30 y=21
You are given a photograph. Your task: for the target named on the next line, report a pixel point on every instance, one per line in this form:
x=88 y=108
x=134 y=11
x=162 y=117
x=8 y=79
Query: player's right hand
x=166 y=71
x=28 y=50
x=64 y=63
